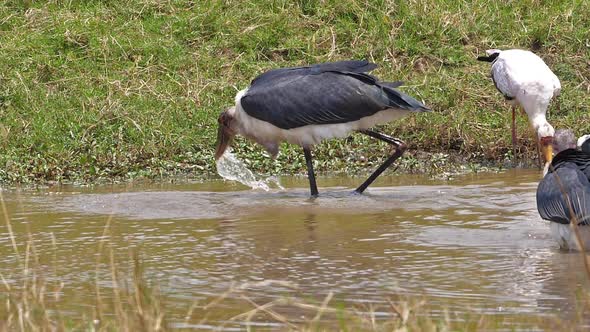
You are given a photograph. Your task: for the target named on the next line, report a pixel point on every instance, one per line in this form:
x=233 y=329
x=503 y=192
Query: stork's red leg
x=514 y=131
x=311 y=176
x=400 y=147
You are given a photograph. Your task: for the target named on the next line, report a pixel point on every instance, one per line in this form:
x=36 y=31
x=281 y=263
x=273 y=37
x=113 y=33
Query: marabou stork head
x=225 y=132
x=564 y=139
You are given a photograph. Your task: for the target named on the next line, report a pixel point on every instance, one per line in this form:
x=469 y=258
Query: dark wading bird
x=526 y=81
x=305 y=105
x=564 y=193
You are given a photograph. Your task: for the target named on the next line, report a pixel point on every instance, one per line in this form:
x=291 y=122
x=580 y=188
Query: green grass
x=94 y=90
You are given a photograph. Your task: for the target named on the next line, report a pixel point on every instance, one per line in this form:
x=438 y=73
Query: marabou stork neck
x=526 y=81
x=305 y=105
x=563 y=195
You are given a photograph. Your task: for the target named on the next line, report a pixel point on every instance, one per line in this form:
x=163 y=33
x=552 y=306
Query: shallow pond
x=472 y=244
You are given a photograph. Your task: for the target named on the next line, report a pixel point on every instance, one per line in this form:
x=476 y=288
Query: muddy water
x=471 y=244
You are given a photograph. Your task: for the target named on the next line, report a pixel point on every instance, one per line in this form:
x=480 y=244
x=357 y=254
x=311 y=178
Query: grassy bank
x=121 y=89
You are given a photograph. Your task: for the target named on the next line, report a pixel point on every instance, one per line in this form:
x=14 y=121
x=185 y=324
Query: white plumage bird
x=526 y=81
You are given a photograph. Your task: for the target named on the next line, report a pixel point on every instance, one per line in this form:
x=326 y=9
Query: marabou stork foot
x=400 y=147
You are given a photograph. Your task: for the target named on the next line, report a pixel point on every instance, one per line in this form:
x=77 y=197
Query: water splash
x=231 y=168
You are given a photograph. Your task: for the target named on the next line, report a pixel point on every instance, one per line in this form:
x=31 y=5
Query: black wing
x=322 y=94
x=352 y=66
x=489 y=58
x=581 y=160
x=499 y=75
x=392 y=85
x=586 y=146
x=566 y=189
x=501 y=87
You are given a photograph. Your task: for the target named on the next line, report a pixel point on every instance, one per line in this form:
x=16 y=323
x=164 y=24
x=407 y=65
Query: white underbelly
x=566 y=238
x=313 y=134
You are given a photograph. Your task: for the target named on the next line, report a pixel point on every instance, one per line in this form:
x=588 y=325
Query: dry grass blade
x=267 y=309
x=5 y=283
x=117 y=299
x=9 y=226
x=98 y=310
x=250 y=313
x=233 y=289
x=220 y=298
x=402 y=311
x=190 y=311
x=323 y=307
x=137 y=285
x=314 y=307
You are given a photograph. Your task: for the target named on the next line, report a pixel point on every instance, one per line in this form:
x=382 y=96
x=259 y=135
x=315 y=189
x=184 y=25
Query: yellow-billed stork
x=526 y=81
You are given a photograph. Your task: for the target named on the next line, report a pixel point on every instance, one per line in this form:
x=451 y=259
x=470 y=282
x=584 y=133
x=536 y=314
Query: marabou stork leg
x=400 y=147
x=513 y=131
x=310 y=175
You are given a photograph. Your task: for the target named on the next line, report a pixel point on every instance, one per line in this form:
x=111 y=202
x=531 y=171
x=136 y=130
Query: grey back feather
x=326 y=93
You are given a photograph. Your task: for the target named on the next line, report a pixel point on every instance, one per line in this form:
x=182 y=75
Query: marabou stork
x=563 y=195
x=526 y=81
x=305 y=105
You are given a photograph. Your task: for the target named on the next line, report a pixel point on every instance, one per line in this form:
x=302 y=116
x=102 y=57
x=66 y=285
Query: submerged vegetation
x=121 y=89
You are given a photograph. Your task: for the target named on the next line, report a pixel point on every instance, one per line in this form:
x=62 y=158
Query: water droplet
x=231 y=168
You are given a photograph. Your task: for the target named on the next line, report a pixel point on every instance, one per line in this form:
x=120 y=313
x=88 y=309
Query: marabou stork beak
x=224 y=137
x=547 y=149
